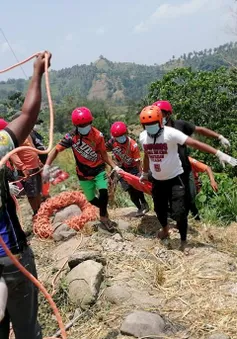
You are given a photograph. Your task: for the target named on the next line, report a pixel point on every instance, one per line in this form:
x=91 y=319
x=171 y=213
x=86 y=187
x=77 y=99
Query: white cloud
x=69 y=37
x=168 y=11
x=100 y=31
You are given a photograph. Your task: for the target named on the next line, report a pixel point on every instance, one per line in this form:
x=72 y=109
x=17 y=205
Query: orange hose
x=4 y=160
x=37 y=284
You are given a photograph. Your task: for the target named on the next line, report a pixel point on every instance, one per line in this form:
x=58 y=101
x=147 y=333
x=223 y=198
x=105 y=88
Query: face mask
x=152 y=129
x=122 y=139
x=84 y=130
x=165 y=121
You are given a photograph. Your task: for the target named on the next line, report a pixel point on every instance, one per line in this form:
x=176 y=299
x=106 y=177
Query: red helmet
x=81 y=116
x=163 y=105
x=3 y=124
x=118 y=128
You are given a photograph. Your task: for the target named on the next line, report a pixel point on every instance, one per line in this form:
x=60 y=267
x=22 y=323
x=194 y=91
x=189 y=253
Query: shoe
x=145 y=208
x=139 y=213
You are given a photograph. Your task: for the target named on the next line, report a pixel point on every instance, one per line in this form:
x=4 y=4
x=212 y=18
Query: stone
x=66 y=213
x=218 y=336
x=123 y=225
x=62 y=251
x=62 y=232
x=84 y=282
x=143 y=324
x=117 y=237
x=119 y=294
x=81 y=256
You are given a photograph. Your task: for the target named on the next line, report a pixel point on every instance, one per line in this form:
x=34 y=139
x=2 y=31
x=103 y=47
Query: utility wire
x=13 y=53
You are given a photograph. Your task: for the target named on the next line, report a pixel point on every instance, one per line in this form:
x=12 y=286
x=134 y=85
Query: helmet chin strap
x=155 y=136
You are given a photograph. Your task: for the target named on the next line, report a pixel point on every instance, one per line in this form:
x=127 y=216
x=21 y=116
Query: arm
x=22 y=126
x=200 y=146
x=211 y=134
x=212 y=179
x=224 y=158
x=107 y=159
x=52 y=156
x=145 y=169
x=145 y=163
x=206 y=132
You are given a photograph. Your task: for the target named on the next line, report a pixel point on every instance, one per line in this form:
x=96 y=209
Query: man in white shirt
x=160 y=145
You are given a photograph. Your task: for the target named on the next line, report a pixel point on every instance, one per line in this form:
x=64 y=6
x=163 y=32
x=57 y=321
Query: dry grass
x=197 y=293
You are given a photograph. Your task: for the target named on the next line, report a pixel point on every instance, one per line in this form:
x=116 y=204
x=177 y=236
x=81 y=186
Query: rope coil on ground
x=42 y=225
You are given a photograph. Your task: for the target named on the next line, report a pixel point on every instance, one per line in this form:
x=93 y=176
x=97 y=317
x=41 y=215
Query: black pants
x=101 y=202
x=22 y=303
x=136 y=196
x=171 y=193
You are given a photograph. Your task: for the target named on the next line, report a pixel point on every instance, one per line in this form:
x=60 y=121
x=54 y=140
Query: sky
x=140 y=31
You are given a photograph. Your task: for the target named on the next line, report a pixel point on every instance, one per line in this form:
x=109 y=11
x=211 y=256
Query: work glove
x=14 y=190
x=117 y=169
x=144 y=176
x=46 y=173
x=225 y=158
x=225 y=142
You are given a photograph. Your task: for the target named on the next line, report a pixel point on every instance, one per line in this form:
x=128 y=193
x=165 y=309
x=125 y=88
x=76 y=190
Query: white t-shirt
x=163 y=156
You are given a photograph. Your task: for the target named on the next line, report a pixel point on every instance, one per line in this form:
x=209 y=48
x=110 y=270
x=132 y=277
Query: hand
x=117 y=169
x=14 y=190
x=143 y=177
x=26 y=173
x=225 y=142
x=214 y=185
x=46 y=173
x=225 y=158
x=39 y=64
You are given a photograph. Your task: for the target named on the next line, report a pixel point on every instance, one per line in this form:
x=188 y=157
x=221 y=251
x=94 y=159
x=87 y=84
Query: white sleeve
x=178 y=136
x=141 y=138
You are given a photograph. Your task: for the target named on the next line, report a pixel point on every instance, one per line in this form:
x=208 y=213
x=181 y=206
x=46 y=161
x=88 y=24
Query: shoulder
x=6 y=143
x=143 y=136
x=97 y=134
x=133 y=143
x=184 y=126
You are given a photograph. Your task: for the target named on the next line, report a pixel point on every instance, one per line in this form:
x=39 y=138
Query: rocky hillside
x=122 y=81
x=130 y=285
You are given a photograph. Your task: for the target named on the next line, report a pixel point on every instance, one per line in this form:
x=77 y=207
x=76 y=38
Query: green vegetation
x=204 y=98
x=201 y=86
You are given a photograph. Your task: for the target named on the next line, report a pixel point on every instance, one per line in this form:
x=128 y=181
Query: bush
x=221 y=207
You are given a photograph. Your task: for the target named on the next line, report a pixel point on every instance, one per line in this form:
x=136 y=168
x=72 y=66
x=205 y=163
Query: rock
x=218 y=336
x=84 y=283
x=123 y=225
x=119 y=294
x=117 y=237
x=142 y=324
x=66 y=213
x=61 y=252
x=62 y=232
x=112 y=246
x=80 y=256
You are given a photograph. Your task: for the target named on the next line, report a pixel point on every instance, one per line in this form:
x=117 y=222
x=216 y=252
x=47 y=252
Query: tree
x=204 y=98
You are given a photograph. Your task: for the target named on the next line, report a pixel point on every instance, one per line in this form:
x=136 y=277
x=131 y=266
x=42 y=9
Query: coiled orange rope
x=3 y=161
x=42 y=225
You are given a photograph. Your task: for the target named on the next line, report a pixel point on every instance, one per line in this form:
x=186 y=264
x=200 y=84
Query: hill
x=122 y=81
